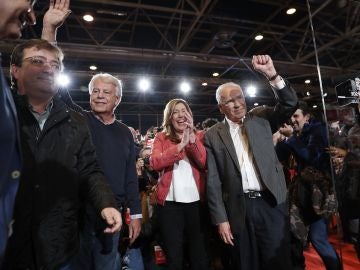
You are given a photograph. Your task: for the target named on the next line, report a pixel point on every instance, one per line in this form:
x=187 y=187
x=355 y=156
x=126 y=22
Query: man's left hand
x=112 y=218
x=134 y=229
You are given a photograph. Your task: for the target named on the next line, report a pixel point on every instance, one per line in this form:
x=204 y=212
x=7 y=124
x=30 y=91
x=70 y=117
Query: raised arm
x=55 y=16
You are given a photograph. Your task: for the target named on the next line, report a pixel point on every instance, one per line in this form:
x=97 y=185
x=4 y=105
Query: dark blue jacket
x=10 y=160
x=309 y=148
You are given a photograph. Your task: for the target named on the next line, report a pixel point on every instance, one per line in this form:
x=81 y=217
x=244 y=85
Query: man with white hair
x=115 y=149
x=246 y=187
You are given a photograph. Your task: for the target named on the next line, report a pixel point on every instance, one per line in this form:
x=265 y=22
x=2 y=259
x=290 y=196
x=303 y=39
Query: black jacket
x=60 y=173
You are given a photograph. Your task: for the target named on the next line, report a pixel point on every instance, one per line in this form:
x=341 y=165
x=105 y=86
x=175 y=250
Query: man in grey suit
x=246 y=186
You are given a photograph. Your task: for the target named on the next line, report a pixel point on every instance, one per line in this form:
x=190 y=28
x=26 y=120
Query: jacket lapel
x=224 y=134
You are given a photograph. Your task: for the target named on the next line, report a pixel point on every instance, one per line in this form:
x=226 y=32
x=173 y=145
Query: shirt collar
x=107 y=123
x=47 y=109
x=234 y=125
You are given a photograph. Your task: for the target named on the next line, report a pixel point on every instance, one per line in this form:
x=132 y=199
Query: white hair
x=223 y=86
x=106 y=78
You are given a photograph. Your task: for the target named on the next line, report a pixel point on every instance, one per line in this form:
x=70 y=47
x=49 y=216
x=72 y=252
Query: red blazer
x=165 y=154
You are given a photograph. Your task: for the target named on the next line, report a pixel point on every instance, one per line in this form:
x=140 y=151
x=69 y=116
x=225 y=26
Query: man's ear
x=118 y=100
x=14 y=71
x=220 y=108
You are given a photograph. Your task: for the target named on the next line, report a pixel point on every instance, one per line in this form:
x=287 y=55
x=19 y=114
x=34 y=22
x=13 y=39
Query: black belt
x=253 y=194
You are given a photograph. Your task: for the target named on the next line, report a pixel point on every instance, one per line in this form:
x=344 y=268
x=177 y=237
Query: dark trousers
x=180 y=223
x=264 y=243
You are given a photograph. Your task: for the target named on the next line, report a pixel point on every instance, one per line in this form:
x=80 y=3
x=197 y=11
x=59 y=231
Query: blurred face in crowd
x=104 y=97
x=145 y=153
x=232 y=103
x=298 y=119
x=15 y=14
x=179 y=117
x=36 y=74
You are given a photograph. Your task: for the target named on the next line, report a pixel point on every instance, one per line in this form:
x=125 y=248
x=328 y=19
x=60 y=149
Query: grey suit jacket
x=224 y=184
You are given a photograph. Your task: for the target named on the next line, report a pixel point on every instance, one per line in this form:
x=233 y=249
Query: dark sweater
x=116 y=153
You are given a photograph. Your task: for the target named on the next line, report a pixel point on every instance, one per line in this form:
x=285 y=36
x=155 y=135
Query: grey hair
x=106 y=78
x=225 y=85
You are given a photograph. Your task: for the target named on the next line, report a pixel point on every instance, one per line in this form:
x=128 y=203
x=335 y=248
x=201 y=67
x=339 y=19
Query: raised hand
x=264 y=65
x=190 y=124
x=55 y=16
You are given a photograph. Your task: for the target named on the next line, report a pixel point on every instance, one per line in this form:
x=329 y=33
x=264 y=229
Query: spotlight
x=185 y=87
x=291 y=11
x=251 y=90
x=93 y=67
x=215 y=74
x=307 y=81
x=204 y=84
x=88 y=18
x=144 y=84
x=259 y=37
x=62 y=80
x=308 y=93
x=314 y=106
x=256 y=104
x=325 y=94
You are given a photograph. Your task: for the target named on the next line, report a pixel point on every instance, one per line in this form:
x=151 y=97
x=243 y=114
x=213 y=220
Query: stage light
x=93 y=67
x=62 y=80
x=204 y=84
x=88 y=18
x=314 y=106
x=325 y=94
x=251 y=91
x=308 y=93
x=144 y=84
x=215 y=74
x=291 y=11
x=259 y=37
x=256 y=104
x=185 y=87
x=307 y=81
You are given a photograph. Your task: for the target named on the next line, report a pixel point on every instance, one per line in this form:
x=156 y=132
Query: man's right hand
x=225 y=233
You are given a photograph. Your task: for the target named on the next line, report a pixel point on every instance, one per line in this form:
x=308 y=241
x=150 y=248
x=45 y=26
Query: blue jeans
x=318 y=235
x=98 y=251
x=133 y=259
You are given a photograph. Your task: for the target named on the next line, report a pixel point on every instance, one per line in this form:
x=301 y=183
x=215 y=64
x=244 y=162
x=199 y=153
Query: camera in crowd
x=348 y=91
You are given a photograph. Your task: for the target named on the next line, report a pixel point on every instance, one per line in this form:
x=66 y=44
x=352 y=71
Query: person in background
x=246 y=187
x=14 y=15
x=307 y=143
x=208 y=123
x=179 y=156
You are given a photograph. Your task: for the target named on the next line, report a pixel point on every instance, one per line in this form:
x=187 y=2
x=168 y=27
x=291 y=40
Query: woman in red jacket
x=179 y=156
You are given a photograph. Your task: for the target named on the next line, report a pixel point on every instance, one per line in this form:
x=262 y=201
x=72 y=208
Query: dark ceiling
x=173 y=40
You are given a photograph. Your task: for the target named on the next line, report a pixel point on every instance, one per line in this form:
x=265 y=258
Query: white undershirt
x=249 y=175
x=183 y=187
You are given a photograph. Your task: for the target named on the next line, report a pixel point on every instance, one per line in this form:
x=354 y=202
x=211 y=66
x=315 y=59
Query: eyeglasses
x=231 y=102
x=41 y=61
x=28 y=17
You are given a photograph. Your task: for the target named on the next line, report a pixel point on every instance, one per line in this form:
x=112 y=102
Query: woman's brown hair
x=168 y=128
